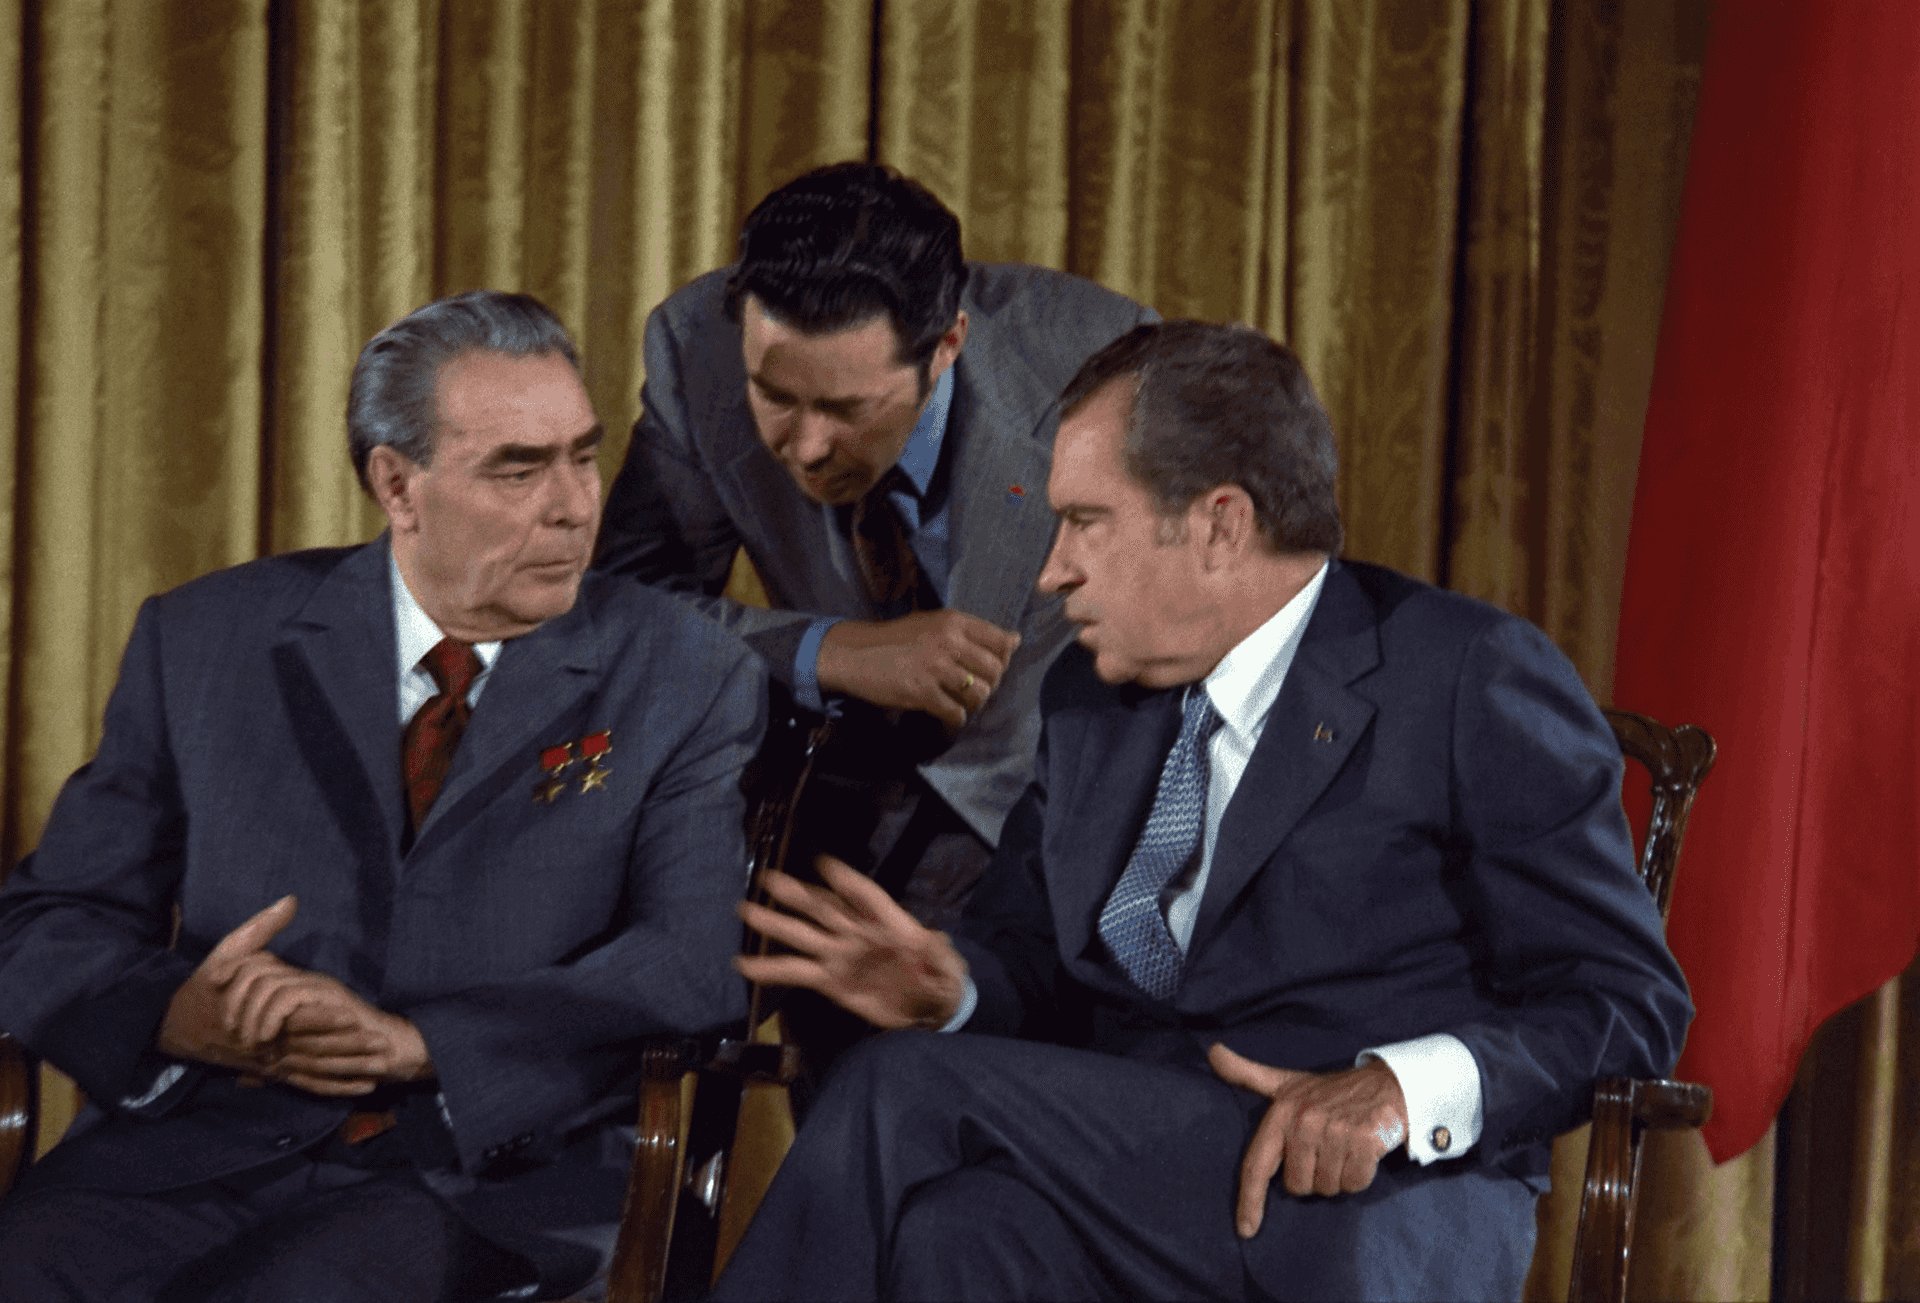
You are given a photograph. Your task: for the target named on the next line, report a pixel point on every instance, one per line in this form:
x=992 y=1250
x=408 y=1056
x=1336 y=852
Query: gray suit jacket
x=252 y=749
x=697 y=484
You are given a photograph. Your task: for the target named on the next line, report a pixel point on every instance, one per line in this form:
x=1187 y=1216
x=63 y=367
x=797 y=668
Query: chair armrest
x=639 y=1270
x=19 y=1109
x=1671 y=1105
x=1622 y=1109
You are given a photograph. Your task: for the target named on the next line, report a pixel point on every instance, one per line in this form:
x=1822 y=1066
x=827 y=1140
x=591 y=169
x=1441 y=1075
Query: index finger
x=251 y=935
x=865 y=897
x=989 y=636
x=1262 y=1159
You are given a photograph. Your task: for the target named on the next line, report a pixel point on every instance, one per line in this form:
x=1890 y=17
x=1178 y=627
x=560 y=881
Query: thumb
x=253 y=934
x=1238 y=1070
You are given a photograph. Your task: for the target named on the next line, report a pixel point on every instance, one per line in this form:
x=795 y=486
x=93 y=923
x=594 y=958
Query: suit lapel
x=1001 y=526
x=340 y=677
x=538 y=679
x=1310 y=732
x=1119 y=774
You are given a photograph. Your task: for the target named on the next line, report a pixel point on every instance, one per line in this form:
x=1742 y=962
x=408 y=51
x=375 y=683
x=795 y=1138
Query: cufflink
x=1442 y=1140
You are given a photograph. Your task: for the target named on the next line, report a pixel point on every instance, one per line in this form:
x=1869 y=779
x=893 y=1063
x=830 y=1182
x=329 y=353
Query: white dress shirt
x=1437 y=1073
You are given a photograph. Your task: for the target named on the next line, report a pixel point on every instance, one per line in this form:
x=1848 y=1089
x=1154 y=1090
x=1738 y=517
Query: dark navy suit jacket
x=252 y=749
x=1428 y=838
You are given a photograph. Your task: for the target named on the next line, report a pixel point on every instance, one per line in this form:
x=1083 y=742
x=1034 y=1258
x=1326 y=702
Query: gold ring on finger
x=968 y=683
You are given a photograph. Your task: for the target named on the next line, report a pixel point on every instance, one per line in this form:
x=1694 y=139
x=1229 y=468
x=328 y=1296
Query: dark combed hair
x=1222 y=404
x=393 y=400
x=848 y=242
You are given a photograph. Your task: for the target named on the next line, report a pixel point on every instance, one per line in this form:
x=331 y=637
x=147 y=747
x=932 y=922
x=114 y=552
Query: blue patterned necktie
x=1131 y=924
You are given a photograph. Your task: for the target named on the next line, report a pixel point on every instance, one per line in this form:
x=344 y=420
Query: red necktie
x=434 y=731
x=883 y=555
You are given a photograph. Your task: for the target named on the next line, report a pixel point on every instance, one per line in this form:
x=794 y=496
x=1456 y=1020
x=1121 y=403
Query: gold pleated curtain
x=1458 y=213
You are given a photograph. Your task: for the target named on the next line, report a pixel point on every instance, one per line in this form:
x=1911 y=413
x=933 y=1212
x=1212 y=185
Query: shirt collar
x=1248 y=678
x=922 y=453
x=416 y=632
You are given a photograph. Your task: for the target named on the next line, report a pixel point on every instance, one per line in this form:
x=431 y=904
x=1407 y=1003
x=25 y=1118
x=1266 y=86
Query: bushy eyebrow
x=539 y=454
x=838 y=403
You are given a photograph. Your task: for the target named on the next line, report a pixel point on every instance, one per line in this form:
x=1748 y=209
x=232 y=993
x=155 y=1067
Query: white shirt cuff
x=969 y=1001
x=1441 y=1083
x=161 y=1085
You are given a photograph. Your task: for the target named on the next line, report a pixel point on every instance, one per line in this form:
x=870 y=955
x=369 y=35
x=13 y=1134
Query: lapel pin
x=556 y=761
x=594 y=748
x=1321 y=733
x=1015 y=494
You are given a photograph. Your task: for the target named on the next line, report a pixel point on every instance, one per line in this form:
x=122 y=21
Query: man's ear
x=948 y=349
x=390 y=476
x=1226 y=524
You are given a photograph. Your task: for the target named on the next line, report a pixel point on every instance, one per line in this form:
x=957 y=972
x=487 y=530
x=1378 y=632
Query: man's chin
x=837 y=490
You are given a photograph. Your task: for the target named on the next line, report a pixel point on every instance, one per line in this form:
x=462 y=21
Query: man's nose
x=575 y=499
x=809 y=438
x=1059 y=573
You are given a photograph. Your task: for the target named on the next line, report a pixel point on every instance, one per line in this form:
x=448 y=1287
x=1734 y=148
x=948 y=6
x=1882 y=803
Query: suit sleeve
x=664 y=522
x=522 y=1061
x=1574 y=955
x=1007 y=935
x=85 y=969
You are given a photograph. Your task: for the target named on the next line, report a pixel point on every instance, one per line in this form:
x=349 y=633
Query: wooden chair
x=681 y=1169
x=673 y=1180
x=1677 y=759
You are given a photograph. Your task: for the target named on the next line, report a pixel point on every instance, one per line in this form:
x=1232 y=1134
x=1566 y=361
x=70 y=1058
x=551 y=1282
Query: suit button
x=1442 y=1140
x=283 y=1142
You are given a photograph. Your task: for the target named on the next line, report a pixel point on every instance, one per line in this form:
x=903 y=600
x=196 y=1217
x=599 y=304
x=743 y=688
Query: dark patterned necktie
x=1131 y=924
x=883 y=553
x=434 y=731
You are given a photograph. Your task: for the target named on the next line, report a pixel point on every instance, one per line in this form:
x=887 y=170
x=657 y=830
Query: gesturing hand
x=945 y=662
x=1330 y=1130
x=857 y=947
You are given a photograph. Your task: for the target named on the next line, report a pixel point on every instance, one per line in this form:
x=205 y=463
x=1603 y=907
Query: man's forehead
x=873 y=339
x=535 y=398
x=1091 y=436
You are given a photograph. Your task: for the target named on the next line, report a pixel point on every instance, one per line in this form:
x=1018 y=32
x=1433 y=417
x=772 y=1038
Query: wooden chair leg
x=1602 y=1243
x=639 y=1269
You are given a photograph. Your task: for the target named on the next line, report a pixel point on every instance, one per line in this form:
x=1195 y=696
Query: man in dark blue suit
x=388 y=858
x=1315 y=926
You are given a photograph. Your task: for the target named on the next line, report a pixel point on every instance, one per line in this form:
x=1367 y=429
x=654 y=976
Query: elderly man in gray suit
x=872 y=418
x=388 y=858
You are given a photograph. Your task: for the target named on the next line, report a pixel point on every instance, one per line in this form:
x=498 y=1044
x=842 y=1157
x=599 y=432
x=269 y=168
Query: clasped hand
x=245 y=1008
x=945 y=662
x=1328 y=1130
x=855 y=946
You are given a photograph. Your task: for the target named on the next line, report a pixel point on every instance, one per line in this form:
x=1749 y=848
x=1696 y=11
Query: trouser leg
x=980 y=1233
x=1137 y=1162
x=387 y=1239
x=299 y=1232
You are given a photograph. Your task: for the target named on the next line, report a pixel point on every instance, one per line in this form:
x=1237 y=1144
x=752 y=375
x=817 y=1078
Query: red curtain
x=1773 y=577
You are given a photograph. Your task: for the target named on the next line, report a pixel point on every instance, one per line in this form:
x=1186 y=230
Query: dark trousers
x=299 y=1231
x=974 y=1167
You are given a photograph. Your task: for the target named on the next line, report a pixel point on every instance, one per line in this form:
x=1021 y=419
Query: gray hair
x=1222 y=404
x=393 y=400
